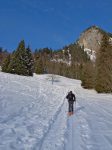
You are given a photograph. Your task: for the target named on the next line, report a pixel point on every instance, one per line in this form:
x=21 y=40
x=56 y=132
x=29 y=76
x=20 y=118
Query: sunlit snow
x=33 y=115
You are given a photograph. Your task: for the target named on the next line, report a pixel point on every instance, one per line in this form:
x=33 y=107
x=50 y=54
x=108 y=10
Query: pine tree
x=104 y=67
x=29 y=62
x=39 y=66
x=5 y=64
x=88 y=76
x=21 y=61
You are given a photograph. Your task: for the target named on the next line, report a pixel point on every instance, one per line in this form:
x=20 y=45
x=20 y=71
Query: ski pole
x=75 y=106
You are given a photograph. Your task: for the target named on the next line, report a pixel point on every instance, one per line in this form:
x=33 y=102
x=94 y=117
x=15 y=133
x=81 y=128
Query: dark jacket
x=71 y=97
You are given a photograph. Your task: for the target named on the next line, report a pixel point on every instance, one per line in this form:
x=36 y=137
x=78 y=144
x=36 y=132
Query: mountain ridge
x=91 y=38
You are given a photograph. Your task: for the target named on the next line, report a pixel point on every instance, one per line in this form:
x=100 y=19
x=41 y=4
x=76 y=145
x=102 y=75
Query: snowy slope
x=33 y=115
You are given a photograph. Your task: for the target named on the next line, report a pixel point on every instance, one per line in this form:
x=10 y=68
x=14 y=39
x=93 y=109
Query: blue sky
x=50 y=23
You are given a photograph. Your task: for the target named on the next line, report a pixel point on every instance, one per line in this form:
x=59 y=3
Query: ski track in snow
x=33 y=115
x=59 y=118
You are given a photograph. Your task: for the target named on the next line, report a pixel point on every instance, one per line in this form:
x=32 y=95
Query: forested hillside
x=89 y=59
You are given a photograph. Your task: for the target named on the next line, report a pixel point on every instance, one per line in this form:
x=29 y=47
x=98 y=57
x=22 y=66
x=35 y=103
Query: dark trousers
x=70 y=108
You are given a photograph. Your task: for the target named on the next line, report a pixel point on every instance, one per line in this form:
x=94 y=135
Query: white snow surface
x=33 y=115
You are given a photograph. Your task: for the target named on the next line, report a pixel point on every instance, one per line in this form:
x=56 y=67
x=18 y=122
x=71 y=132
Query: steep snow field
x=33 y=115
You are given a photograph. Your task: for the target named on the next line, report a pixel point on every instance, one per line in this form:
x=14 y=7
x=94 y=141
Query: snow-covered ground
x=33 y=115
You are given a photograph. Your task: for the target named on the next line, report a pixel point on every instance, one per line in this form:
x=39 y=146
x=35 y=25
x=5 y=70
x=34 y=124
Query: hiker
x=71 y=99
